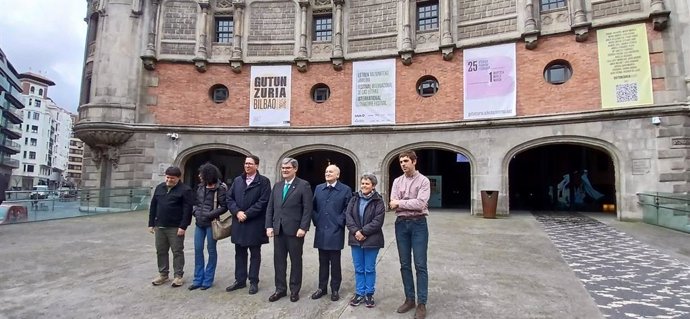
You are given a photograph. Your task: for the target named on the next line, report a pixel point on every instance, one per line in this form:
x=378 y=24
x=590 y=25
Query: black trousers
x=283 y=246
x=330 y=259
x=241 y=263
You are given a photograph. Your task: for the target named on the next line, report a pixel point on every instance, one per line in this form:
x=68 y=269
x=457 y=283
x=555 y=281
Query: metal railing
x=671 y=210
x=54 y=204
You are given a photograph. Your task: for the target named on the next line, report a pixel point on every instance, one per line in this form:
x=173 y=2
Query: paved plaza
x=522 y=266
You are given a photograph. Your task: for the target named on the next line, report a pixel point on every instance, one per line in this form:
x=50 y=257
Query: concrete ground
x=102 y=266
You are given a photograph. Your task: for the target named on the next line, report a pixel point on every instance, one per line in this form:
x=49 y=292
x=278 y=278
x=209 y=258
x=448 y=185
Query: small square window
x=427 y=15
x=225 y=29
x=552 y=4
x=323 y=28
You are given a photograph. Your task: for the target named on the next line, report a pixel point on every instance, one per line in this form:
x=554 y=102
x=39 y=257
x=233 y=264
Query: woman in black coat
x=210 y=204
x=364 y=219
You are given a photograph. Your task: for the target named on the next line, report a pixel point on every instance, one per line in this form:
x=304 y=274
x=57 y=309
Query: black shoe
x=192 y=287
x=253 y=288
x=294 y=296
x=277 y=295
x=318 y=293
x=205 y=287
x=235 y=285
x=356 y=300
x=369 y=301
x=335 y=296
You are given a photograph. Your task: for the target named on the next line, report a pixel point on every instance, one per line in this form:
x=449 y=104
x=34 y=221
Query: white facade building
x=46 y=131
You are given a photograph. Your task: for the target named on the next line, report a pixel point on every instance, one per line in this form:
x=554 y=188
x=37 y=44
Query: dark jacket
x=204 y=210
x=329 y=215
x=372 y=224
x=171 y=208
x=252 y=200
x=288 y=215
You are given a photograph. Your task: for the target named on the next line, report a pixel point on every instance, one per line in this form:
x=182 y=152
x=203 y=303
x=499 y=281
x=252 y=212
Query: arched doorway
x=449 y=173
x=312 y=165
x=562 y=177
x=230 y=163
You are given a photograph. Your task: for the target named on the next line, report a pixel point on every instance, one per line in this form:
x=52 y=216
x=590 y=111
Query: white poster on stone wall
x=489 y=82
x=373 y=92
x=269 y=95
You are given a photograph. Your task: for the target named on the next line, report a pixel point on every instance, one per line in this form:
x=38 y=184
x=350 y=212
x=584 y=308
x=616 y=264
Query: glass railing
x=12 y=144
x=28 y=206
x=4 y=83
x=17 y=112
x=671 y=210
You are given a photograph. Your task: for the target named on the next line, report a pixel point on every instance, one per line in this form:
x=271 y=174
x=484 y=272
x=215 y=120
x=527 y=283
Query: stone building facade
x=152 y=70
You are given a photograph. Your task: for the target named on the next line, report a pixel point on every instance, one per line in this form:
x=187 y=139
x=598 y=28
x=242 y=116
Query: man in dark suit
x=287 y=218
x=247 y=201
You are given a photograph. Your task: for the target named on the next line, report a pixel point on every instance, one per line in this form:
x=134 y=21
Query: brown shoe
x=421 y=311
x=161 y=279
x=406 y=306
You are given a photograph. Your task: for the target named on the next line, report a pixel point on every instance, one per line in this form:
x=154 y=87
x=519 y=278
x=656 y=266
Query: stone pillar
x=238 y=28
x=580 y=24
x=447 y=44
x=201 y=58
x=302 y=59
x=136 y=8
x=406 y=51
x=338 y=57
x=532 y=31
x=149 y=57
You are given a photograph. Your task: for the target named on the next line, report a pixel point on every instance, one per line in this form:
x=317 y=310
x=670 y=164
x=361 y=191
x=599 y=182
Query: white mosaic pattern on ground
x=625 y=277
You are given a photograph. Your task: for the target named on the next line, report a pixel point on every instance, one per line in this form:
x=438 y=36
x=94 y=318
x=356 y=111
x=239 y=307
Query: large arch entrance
x=312 y=165
x=230 y=163
x=562 y=177
x=449 y=173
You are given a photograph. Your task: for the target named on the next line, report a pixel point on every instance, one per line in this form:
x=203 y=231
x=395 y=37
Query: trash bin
x=489 y=203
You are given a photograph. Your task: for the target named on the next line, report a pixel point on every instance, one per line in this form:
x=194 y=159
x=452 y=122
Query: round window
x=558 y=72
x=427 y=86
x=320 y=93
x=218 y=93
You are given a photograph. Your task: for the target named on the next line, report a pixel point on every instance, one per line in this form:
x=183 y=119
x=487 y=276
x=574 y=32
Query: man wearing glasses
x=287 y=220
x=247 y=202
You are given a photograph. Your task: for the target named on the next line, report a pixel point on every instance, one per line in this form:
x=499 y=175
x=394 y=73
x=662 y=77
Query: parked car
x=39 y=192
x=67 y=193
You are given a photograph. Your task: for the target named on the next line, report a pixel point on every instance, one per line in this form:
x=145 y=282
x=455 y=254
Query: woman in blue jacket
x=364 y=218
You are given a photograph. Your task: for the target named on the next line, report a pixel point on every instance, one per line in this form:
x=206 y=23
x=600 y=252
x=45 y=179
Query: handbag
x=220 y=227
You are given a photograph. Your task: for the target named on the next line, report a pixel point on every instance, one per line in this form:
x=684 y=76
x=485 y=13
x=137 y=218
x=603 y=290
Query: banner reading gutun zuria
x=489 y=82
x=269 y=96
x=373 y=92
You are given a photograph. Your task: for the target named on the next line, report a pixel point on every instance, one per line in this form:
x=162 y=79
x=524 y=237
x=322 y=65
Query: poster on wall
x=626 y=77
x=489 y=78
x=373 y=92
x=269 y=96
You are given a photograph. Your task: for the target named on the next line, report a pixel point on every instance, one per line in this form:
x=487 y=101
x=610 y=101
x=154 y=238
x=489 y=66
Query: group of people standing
x=285 y=213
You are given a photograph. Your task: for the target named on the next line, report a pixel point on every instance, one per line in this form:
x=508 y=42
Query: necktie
x=285 y=190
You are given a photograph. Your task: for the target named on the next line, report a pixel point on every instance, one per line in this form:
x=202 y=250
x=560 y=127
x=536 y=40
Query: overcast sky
x=47 y=37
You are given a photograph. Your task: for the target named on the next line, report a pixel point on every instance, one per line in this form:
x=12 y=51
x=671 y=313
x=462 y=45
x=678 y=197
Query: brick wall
x=372 y=17
x=182 y=94
x=478 y=9
x=177 y=48
x=371 y=44
x=485 y=29
x=270 y=50
x=179 y=20
x=609 y=8
x=272 y=21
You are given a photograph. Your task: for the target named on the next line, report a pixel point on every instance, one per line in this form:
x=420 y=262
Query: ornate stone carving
x=223 y=4
x=236 y=65
x=136 y=8
x=322 y=2
x=100 y=136
x=659 y=15
x=302 y=64
x=337 y=63
x=406 y=56
x=107 y=153
x=149 y=62
x=149 y=57
x=532 y=32
x=580 y=24
x=447 y=51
